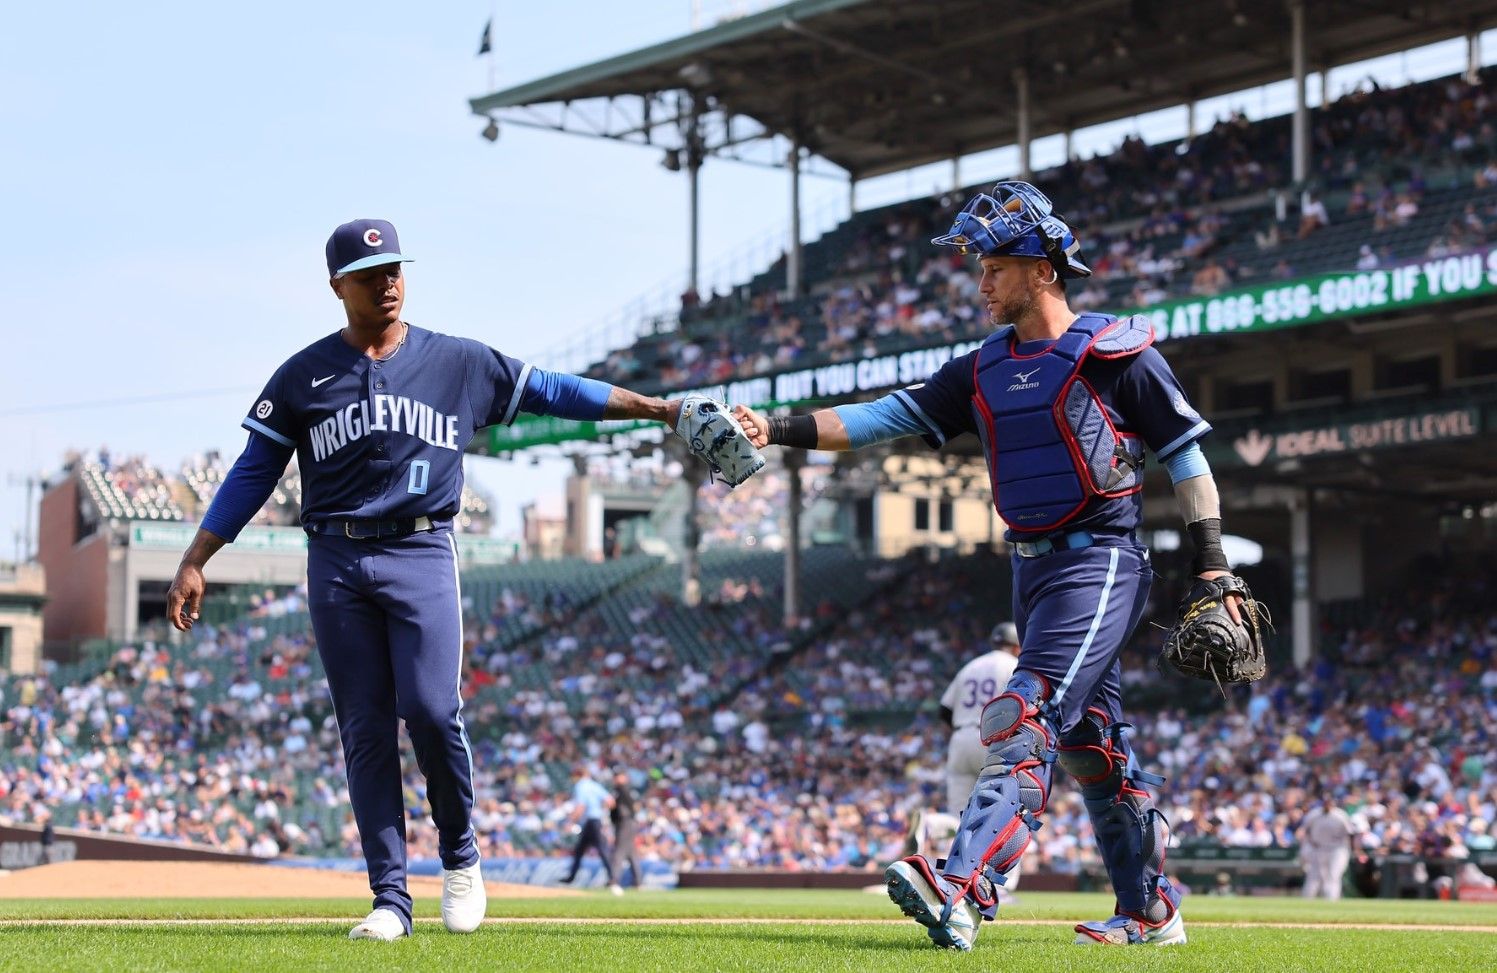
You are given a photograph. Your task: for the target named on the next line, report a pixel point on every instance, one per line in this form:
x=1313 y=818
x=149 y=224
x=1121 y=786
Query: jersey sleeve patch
x=272 y=415
x=1151 y=401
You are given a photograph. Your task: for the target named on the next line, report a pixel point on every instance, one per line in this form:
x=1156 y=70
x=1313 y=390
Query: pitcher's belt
x=369 y=530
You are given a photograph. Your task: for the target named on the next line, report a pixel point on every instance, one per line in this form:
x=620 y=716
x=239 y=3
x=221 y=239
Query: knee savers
x=1011 y=790
x=1131 y=833
x=1020 y=741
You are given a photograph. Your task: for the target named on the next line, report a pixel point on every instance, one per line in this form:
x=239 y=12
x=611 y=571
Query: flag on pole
x=487 y=44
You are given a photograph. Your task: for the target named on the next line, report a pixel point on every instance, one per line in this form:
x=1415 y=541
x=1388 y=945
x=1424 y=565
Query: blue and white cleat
x=1129 y=930
x=949 y=918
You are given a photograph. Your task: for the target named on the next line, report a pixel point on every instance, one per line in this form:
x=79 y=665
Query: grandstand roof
x=878 y=86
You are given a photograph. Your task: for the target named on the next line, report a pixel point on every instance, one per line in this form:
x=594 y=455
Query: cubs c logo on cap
x=371 y=237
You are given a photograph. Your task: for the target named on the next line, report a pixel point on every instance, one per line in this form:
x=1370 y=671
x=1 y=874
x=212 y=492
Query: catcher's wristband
x=1206 y=535
x=797 y=432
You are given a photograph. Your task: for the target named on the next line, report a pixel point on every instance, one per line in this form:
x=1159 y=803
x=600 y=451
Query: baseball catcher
x=1211 y=640
x=1066 y=406
x=713 y=435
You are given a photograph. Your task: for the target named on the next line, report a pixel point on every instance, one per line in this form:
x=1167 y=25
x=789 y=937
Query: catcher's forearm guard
x=1206 y=644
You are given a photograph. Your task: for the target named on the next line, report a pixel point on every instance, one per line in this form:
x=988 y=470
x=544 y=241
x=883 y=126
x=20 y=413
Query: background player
x=1063 y=405
x=1325 y=841
x=961 y=706
x=591 y=803
x=378 y=415
x=622 y=816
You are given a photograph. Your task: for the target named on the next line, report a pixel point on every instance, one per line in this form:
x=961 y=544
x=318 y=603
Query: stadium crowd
x=818 y=759
x=1156 y=221
x=134 y=488
x=815 y=763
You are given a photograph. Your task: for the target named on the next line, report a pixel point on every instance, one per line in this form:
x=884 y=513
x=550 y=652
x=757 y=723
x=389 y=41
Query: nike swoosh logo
x=318 y=381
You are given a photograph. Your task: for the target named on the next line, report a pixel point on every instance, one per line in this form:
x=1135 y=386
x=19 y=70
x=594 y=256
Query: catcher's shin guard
x=1131 y=832
x=1011 y=791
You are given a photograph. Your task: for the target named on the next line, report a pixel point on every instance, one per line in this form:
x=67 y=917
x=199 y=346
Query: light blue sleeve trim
x=878 y=421
x=930 y=424
x=1191 y=435
x=519 y=393
x=267 y=432
x=1188 y=462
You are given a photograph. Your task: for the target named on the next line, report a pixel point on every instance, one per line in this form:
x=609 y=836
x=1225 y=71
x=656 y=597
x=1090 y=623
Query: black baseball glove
x=1206 y=644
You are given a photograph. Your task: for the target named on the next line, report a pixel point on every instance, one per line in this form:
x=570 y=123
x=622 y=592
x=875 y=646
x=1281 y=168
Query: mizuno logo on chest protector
x=1024 y=381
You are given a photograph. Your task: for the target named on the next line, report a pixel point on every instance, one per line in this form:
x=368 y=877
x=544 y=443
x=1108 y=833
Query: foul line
x=721 y=921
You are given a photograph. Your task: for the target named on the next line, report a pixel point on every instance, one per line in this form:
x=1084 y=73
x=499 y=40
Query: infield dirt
x=215 y=880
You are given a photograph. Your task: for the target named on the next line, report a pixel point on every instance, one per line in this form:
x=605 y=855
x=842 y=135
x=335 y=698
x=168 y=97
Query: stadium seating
x=759 y=745
x=134 y=490
x=1136 y=210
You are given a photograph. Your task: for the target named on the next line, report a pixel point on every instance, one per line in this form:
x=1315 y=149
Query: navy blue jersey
x=1141 y=395
x=385 y=439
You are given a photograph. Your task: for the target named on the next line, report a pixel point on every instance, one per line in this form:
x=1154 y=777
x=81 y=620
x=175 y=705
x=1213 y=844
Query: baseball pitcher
x=378 y=415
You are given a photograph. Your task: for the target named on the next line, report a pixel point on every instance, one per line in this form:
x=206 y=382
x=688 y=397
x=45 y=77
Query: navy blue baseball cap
x=363 y=244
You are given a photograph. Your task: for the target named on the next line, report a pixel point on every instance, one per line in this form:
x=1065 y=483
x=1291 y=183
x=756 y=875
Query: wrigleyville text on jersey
x=382 y=413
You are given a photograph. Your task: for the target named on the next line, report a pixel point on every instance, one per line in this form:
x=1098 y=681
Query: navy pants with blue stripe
x=389 y=629
x=1074 y=610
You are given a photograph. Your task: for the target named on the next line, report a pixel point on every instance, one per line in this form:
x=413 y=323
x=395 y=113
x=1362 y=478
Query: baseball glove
x=1206 y=644
x=713 y=434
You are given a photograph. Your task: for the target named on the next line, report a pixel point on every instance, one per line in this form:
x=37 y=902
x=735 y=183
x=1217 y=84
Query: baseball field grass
x=736 y=930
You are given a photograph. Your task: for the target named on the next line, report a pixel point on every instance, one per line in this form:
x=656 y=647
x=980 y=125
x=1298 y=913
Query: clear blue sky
x=172 y=171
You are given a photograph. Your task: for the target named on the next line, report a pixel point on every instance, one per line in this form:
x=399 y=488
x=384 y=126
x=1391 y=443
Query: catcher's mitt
x=713 y=434
x=1206 y=644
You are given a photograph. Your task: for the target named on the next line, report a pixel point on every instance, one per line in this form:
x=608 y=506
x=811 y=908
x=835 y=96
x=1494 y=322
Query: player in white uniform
x=1325 y=849
x=979 y=681
x=932 y=830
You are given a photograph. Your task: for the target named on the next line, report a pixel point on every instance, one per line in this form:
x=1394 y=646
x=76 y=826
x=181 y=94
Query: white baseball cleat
x=382 y=924
x=921 y=896
x=464 y=900
x=616 y=889
x=1132 y=930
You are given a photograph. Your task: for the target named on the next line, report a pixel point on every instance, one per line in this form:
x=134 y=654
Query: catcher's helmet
x=1016 y=220
x=1004 y=633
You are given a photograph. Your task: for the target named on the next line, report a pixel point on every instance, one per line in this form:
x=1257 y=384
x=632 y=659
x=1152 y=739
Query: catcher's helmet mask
x=1016 y=220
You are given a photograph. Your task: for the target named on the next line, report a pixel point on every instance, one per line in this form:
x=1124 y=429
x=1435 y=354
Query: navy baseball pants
x=1074 y=610
x=389 y=629
x=590 y=837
